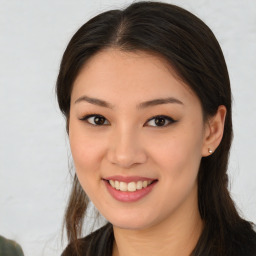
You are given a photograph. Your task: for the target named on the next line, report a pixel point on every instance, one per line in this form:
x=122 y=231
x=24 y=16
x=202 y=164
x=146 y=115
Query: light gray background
x=34 y=179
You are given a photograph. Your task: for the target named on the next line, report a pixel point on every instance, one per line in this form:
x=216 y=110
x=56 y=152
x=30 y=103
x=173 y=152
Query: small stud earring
x=209 y=150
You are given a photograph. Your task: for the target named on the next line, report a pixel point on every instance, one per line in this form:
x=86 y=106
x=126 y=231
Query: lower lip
x=124 y=196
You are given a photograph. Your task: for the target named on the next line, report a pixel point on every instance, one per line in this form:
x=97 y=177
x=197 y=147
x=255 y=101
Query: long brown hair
x=191 y=48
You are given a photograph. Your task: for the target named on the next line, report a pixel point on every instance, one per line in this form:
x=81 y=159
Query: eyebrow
x=95 y=101
x=155 y=102
x=142 y=105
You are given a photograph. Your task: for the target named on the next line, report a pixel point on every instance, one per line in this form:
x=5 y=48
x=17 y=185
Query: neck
x=177 y=235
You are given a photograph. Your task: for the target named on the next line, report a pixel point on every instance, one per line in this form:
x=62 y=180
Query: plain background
x=34 y=177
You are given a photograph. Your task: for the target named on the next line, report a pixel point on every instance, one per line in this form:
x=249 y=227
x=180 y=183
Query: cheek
x=178 y=157
x=178 y=162
x=177 y=148
x=84 y=151
x=87 y=152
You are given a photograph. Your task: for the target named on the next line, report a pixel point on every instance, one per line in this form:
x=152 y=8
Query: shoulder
x=9 y=247
x=97 y=243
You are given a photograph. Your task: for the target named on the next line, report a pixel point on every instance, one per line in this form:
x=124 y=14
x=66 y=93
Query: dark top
x=100 y=243
x=9 y=248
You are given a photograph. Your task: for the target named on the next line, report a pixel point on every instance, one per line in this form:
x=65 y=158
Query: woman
x=146 y=95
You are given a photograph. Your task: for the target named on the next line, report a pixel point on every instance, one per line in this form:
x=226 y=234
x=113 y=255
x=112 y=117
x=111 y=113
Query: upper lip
x=128 y=179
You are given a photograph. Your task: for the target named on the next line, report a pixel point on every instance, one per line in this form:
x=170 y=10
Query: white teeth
x=139 y=185
x=131 y=186
x=123 y=186
x=112 y=183
x=117 y=185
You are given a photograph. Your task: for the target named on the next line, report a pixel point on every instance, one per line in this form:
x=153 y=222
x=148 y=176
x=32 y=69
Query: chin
x=131 y=223
x=129 y=226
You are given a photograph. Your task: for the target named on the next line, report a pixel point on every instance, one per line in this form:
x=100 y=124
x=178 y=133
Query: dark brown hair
x=190 y=47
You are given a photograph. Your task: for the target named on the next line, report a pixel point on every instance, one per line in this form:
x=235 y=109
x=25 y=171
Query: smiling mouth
x=131 y=186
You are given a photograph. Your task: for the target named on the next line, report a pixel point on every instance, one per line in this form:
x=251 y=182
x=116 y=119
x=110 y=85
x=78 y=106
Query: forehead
x=131 y=75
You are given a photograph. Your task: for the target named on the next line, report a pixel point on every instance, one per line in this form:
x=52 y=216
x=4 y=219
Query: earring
x=209 y=150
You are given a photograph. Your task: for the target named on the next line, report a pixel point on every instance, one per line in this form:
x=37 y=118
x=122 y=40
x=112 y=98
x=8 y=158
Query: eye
x=160 y=121
x=96 y=120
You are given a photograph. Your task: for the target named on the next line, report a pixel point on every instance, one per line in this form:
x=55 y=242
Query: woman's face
x=137 y=136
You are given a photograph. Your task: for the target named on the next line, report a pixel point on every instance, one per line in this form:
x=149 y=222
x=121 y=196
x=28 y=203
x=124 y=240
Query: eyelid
x=168 y=118
x=86 y=117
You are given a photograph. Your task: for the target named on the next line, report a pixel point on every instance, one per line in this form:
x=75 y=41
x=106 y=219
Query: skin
x=167 y=220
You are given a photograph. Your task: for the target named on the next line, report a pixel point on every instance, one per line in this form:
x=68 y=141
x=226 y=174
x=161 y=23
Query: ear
x=214 y=129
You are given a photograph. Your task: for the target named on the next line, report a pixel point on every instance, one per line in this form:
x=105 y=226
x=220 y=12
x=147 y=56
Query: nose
x=126 y=149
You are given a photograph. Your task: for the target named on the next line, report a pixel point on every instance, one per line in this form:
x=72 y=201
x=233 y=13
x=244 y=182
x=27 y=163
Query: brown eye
x=99 y=120
x=96 y=120
x=159 y=121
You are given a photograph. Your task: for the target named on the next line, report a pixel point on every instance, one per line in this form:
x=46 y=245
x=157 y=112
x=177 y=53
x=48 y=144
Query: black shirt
x=99 y=243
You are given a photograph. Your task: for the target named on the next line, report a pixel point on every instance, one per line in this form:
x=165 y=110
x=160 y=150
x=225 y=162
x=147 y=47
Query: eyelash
x=167 y=118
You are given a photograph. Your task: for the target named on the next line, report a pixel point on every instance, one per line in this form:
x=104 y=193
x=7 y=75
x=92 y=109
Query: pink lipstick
x=129 y=189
